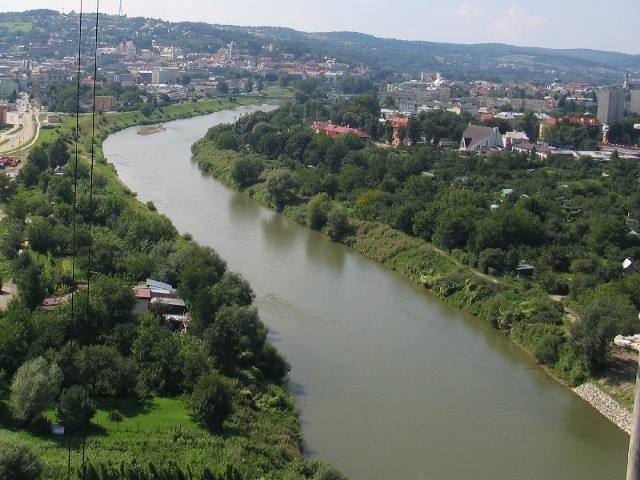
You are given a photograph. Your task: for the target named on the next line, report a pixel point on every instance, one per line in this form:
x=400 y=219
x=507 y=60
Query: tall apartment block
x=634 y=106
x=611 y=105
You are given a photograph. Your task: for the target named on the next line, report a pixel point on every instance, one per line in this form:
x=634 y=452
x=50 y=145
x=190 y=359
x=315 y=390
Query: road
x=25 y=130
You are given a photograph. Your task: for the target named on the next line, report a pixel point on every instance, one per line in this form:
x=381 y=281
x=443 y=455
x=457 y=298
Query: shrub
x=211 y=400
x=115 y=416
x=34 y=387
x=75 y=409
x=18 y=461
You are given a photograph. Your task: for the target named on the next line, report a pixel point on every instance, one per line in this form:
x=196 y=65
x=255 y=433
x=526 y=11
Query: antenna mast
x=120 y=9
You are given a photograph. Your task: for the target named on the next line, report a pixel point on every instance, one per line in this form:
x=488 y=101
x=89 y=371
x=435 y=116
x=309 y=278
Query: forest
x=460 y=225
x=138 y=397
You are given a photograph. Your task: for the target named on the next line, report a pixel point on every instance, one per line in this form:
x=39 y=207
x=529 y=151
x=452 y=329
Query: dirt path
x=7 y=293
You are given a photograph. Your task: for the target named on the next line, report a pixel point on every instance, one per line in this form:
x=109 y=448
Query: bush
x=34 y=387
x=40 y=425
x=211 y=400
x=75 y=409
x=543 y=340
x=18 y=461
x=115 y=416
x=337 y=226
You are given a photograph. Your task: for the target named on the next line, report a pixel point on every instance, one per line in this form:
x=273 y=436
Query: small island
x=148 y=130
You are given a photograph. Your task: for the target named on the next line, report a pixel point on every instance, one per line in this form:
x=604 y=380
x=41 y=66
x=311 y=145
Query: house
x=162 y=298
x=629 y=266
x=337 y=130
x=532 y=149
x=397 y=124
x=475 y=138
x=513 y=138
x=51 y=303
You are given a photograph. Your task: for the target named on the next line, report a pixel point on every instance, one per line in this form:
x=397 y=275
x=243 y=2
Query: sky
x=610 y=25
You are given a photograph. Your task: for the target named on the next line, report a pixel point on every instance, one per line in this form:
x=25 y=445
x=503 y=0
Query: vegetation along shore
x=513 y=239
x=137 y=398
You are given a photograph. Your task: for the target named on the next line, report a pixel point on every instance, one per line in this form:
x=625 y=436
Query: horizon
x=465 y=22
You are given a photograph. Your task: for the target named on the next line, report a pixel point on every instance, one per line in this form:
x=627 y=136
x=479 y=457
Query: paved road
x=14 y=140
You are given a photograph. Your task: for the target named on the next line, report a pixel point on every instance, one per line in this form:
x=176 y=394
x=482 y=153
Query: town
x=529 y=117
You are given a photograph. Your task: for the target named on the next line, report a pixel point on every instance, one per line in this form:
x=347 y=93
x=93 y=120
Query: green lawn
x=156 y=430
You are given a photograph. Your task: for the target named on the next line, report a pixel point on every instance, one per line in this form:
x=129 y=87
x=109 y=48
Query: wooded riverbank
x=509 y=304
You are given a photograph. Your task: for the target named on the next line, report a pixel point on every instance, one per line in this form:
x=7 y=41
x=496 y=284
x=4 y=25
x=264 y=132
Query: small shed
x=629 y=266
x=524 y=270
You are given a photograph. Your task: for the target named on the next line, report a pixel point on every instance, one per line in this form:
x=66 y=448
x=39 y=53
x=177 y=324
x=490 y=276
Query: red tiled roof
x=399 y=122
x=142 y=293
x=337 y=130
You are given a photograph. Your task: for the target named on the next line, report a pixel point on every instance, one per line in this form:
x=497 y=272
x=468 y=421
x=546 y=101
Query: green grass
x=15 y=27
x=156 y=430
x=158 y=414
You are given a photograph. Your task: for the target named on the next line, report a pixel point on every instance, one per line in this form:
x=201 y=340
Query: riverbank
x=425 y=265
x=606 y=405
x=262 y=412
x=387 y=377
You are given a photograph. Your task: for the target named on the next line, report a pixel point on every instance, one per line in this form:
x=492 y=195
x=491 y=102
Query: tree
x=227 y=141
x=75 y=409
x=16 y=338
x=31 y=286
x=317 y=210
x=154 y=353
x=112 y=301
x=280 y=187
x=222 y=87
x=530 y=124
x=201 y=267
x=603 y=315
x=34 y=387
x=247 y=170
x=18 y=460
x=337 y=226
x=211 y=400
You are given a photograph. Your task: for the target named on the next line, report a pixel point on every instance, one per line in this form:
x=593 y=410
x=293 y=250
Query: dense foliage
x=90 y=354
x=572 y=219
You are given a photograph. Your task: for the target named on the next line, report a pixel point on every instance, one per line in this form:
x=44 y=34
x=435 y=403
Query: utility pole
x=633 y=459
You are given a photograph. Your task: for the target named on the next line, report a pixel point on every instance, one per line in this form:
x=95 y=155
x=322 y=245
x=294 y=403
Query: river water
x=391 y=383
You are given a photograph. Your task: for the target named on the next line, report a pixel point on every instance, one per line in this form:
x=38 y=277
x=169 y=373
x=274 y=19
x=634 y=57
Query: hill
x=491 y=61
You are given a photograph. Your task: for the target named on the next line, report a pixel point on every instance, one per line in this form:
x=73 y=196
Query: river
x=391 y=382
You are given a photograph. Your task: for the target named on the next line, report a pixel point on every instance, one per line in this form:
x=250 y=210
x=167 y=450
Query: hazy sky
x=602 y=25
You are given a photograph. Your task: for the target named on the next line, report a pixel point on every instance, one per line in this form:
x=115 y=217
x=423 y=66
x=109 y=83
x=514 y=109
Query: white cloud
x=513 y=22
x=465 y=11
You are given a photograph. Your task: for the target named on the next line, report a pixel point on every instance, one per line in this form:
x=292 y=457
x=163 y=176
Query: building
x=513 y=138
x=166 y=75
x=478 y=139
x=105 y=103
x=634 y=106
x=610 y=105
x=337 y=130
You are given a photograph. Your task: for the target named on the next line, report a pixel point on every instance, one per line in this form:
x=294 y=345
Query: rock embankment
x=605 y=405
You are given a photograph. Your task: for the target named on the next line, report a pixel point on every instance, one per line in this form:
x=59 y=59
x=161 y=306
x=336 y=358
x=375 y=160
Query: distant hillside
x=491 y=61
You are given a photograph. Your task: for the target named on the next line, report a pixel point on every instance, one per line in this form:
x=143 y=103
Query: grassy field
x=14 y=27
